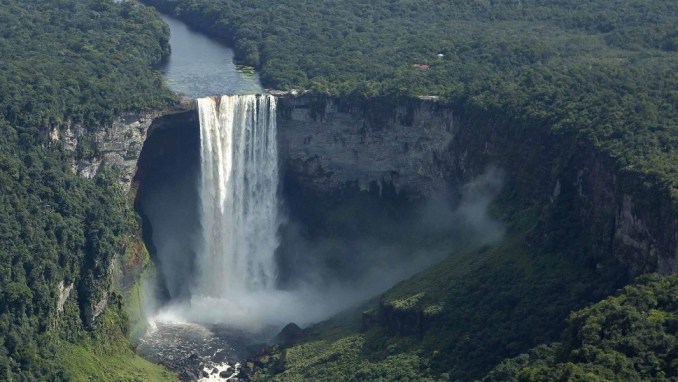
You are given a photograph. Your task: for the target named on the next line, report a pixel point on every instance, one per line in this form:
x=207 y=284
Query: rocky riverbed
x=196 y=352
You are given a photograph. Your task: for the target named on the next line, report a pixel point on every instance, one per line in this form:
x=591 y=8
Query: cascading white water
x=238 y=191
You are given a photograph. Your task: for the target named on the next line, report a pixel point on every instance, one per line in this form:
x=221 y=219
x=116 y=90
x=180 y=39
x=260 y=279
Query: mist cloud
x=330 y=274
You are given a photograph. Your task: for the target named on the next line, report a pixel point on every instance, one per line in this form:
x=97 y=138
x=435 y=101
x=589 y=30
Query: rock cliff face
x=422 y=146
x=329 y=144
x=636 y=227
x=117 y=145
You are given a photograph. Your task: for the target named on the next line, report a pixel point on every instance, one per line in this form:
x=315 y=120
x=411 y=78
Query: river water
x=200 y=66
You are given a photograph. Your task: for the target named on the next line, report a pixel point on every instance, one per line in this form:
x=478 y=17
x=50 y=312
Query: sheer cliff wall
x=420 y=146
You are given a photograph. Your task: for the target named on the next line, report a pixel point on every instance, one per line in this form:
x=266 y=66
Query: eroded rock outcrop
x=331 y=144
x=116 y=145
x=616 y=215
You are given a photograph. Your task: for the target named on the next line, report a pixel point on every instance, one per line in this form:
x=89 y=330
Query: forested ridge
x=65 y=62
x=605 y=71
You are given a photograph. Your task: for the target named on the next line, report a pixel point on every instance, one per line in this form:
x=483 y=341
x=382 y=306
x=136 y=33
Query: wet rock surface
x=196 y=352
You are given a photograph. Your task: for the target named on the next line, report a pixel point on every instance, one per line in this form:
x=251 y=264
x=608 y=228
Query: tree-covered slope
x=81 y=61
x=627 y=337
x=65 y=62
x=606 y=71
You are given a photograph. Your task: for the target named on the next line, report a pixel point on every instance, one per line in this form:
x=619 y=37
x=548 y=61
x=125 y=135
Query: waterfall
x=238 y=192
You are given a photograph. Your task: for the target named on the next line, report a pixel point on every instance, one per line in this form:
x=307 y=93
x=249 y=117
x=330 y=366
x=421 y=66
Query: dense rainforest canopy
x=81 y=61
x=607 y=71
x=63 y=62
x=627 y=337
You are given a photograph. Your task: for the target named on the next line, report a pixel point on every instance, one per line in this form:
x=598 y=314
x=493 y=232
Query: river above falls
x=200 y=66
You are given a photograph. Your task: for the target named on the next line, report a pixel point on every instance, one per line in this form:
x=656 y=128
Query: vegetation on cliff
x=605 y=73
x=65 y=62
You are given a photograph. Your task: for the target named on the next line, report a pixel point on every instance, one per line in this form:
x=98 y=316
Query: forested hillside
x=66 y=62
x=628 y=337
